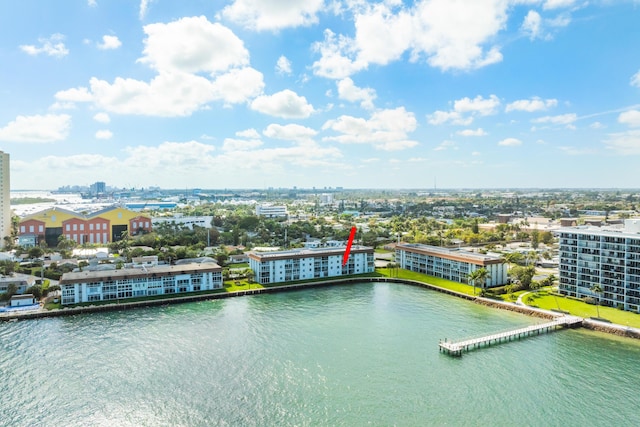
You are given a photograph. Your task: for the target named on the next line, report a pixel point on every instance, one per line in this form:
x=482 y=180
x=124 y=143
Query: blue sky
x=351 y=93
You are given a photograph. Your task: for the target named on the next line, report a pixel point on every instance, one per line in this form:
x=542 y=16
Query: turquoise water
x=345 y=356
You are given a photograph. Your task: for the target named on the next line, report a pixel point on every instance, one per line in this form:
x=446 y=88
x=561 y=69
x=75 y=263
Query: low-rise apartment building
x=607 y=257
x=450 y=264
x=111 y=285
x=303 y=264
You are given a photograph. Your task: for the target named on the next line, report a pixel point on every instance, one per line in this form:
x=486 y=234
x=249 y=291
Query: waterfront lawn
x=240 y=285
x=435 y=281
x=238 y=265
x=543 y=299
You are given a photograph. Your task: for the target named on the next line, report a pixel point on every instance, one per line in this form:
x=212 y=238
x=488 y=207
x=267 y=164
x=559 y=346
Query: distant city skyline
x=342 y=93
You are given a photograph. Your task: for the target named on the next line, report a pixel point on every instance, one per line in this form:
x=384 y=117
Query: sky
x=321 y=93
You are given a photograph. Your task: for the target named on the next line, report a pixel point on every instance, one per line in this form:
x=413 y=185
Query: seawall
x=530 y=311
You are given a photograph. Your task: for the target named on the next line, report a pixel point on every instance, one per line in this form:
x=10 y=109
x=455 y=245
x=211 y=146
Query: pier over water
x=453 y=348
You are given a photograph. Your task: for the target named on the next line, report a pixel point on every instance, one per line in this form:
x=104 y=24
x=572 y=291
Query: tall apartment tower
x=5 y=198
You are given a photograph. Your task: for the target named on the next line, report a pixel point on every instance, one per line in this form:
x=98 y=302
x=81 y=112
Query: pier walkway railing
x=455 y=348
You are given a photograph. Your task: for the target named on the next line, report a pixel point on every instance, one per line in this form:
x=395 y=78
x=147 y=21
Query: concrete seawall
x=530 y=311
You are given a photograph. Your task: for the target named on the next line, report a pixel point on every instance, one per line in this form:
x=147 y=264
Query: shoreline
x=599 y=326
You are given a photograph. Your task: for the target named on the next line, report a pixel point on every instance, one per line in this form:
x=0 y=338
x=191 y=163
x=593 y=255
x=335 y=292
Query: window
x=81 y=227
x=90 y=226
x=31 y=229
x=104 y=225
x=68 y=227
x=23 y=229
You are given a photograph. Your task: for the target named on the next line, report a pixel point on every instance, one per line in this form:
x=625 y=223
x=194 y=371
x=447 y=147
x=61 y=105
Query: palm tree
x=480 y=277
x=598 y=290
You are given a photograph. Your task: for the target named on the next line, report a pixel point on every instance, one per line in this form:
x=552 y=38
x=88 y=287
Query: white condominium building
x=89 y=286
x=5 y=198
x=272 y=211
x=302 y=264
x=450 y=264
x=607 y=257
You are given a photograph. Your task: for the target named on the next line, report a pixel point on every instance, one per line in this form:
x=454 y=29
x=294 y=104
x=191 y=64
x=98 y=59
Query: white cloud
x=556 y=4
x=635 y=80
x=477 y=106
x=178 y=51
x=445 y=145
x=531 y=105
x=286 y=104
x=273 y=14
x=471 y=132
x=630 y=118
x=231 y=144
x=180 y=164
x=248 y=133
x=596 y=125
x=92 y=3
x=626 y=143
x=238 y=85
x=562 y=119
x=79 y=94
x=38 y=128
x=450 y=34
x=290 y=132
x=102 y=118
x=109 y=42
x=167 y=95
x=104 y=134
x=336 y=57
x=52 y=46
x=385 y=130
x=283 y=66
x=349 y=91
x=480 y=105
x=192 y=45
x=453 y=117
x=510 y=142
x=62 y=106
x=144 y=6
x=531 y=25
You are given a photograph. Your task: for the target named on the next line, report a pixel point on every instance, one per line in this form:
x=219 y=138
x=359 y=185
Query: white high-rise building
x=5 y=198
x=607 y=257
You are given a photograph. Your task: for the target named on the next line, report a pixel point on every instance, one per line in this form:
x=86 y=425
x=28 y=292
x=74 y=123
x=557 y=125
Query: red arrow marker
x=345 y=258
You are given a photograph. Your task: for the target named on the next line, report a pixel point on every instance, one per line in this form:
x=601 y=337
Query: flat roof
x=599 y=231
x=452 y=254
x=307 y=252
x=160 y=270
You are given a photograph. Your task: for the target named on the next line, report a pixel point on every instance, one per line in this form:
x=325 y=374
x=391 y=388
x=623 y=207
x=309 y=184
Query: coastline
x=599 y=326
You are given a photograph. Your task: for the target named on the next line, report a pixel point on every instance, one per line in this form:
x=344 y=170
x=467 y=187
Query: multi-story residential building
x=5 y=198
x=303 y=264
x=104 y=226
x=450 y=264
x=90 y=286
x=272 y=211
x=179 y=221
x=607 y=257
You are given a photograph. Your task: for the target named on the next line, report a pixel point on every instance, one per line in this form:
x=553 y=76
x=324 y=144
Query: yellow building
x=104 y=226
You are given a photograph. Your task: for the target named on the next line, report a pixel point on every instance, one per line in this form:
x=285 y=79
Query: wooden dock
x=456 y=348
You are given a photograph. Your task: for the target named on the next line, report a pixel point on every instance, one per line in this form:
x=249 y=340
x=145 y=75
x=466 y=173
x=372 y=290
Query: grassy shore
x=436 y=281
x=543 y=299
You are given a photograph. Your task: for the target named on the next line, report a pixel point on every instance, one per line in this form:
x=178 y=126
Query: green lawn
x=383 y=251
x=240 y=285
x=543 y=299
x=436 y=281
x=239 y=265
